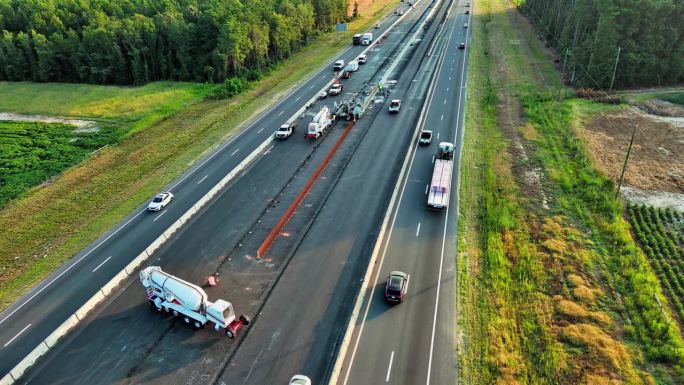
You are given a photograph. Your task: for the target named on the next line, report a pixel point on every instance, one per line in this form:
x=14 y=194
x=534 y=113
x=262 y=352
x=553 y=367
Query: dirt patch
x=657 y=158
x=81 y=125
x=663 y=108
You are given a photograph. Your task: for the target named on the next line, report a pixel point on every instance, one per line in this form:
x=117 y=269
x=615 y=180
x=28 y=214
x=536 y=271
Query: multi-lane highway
x=415 y=342
x=32 y=318
x=309 y=280
x=196 y=252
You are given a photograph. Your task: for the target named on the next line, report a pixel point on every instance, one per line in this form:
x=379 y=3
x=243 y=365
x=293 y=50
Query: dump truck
x=320 y=122
x=440 y=185
x=170 y=294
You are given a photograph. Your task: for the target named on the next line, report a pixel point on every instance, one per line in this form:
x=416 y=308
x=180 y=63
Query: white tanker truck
x=184 y=299
x=320 y=122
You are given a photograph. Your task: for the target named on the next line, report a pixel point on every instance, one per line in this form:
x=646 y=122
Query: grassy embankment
x=52 y=223
x=556 y=295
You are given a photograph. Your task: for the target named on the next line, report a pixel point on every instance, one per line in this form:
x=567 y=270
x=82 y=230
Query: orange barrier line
x=266 y=244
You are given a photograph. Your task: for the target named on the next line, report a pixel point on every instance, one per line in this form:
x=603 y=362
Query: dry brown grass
x=601 y=348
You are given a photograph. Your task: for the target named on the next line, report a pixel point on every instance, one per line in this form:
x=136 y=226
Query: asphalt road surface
x=120 y=342
x=415 y=342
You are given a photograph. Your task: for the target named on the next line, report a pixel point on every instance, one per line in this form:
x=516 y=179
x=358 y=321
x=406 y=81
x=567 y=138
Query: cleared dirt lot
x=657 y=158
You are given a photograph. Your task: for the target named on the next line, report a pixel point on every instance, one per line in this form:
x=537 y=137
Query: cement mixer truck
x=170 y=294
x=321 y=122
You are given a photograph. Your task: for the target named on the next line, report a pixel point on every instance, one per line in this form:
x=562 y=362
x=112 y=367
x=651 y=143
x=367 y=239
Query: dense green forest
x=588 y=33
x=138 y=41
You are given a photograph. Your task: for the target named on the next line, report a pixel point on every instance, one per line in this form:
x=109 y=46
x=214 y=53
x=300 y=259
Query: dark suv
x=395 y=289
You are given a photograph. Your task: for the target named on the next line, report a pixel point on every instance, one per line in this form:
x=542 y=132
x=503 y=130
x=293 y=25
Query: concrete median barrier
x=114 y=282
x=7 y=380
x=89 y=305
x=29 y=360
x=61 y=331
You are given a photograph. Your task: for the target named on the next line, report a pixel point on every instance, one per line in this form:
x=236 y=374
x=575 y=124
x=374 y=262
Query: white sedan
x=160 y=201
x=298 y=379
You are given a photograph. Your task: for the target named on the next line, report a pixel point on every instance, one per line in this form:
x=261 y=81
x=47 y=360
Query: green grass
x=31 y=153
x=132 y=105
x=558 y=296
x=673 y=97
x=52 y=223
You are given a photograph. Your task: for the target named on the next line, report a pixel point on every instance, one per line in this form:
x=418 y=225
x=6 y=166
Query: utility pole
x=614 y=69
x=624 y=166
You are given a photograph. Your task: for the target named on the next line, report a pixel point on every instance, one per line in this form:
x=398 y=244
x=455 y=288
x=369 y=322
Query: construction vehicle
x=440 y=185
x=170 y=294
x=320 y=122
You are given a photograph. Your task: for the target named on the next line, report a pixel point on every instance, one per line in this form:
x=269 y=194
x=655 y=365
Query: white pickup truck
x=285 y=131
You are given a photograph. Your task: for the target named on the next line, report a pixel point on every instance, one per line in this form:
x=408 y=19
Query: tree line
x=644 y=37
x=138 y=41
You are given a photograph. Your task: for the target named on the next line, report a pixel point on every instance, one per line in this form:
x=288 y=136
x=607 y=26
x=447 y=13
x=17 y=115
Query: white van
x=367 y=38
x=338 y=66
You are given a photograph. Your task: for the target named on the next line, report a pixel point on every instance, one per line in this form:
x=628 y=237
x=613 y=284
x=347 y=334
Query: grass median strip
x=551 y=286
x=52 y=223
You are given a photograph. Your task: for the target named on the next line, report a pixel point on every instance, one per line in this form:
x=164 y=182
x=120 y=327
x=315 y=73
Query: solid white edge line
x=412 y=149
x=446 y=223
x=100 y=265
x=389 y=367
x=16 y=335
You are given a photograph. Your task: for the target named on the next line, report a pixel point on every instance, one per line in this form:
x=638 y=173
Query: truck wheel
x=154 y=307
x=244 y=319
x=175 y=313
x=230 y=334
x=186 y=319
x=197 y=325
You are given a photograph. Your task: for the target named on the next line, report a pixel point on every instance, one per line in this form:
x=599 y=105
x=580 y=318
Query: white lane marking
x=268 y=150
x=68 y=268
x=427 y=186
x=298 y=98
x=449 y=77
x=18 y=334
x=103 y=262
x=262 y=128
x=234 y=152
x=124 y=348
x=442 y=118
x=438 y=135
x=281 y=112
x=433 y=159
x=447 y=89
x=312 y=86
x=444 y=101
x=203 y=178
x=446 y=223
x=158 y=216
x=389 y=368
x=418 y=229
